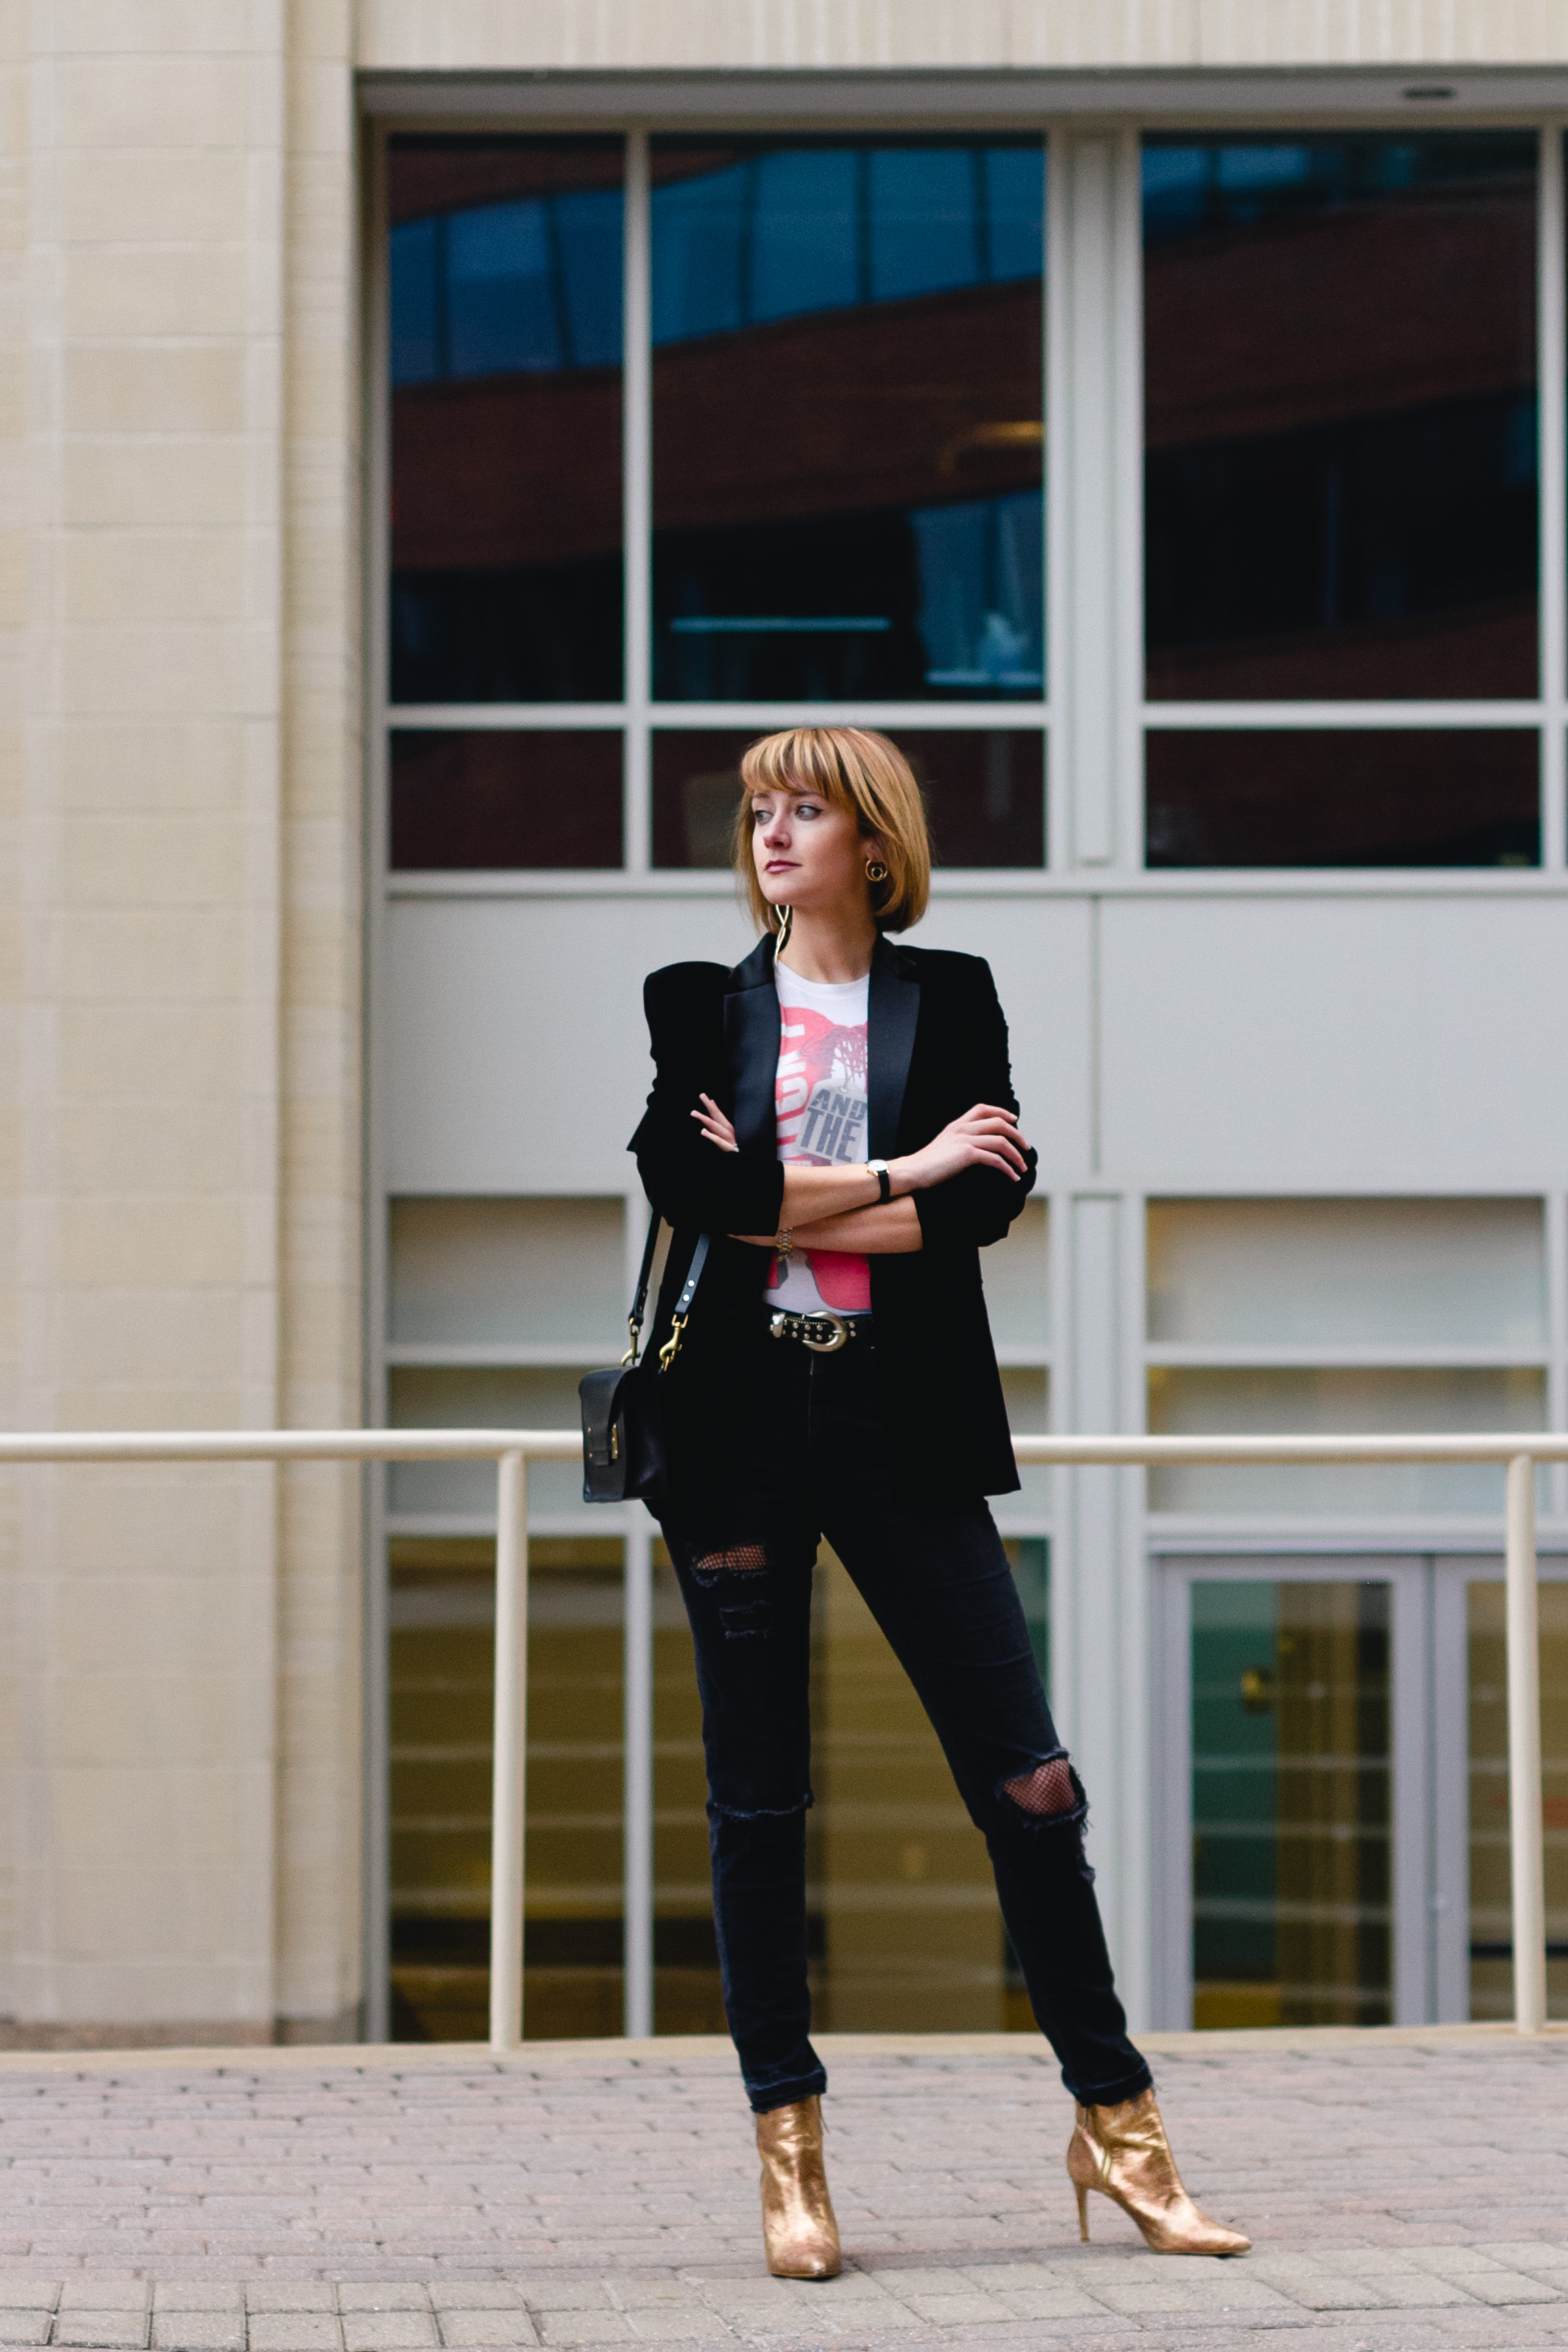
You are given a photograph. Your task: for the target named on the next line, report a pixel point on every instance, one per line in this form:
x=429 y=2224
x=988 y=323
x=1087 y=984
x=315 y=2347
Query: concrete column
x=177 y=695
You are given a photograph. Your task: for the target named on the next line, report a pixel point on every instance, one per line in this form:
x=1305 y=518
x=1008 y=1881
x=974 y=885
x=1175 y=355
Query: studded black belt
x=824 y=1333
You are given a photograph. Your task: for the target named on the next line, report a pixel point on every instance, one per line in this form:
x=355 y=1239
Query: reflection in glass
x=482 y=798
x=1491 y=1910
x=442 y=1665
x=1340 y=417
x=985 y=794
x=1216 y=1400
x=1292 y=1847
x=1417 y=797
x=1360 y=1274
x=505 y=286
x=847 y=427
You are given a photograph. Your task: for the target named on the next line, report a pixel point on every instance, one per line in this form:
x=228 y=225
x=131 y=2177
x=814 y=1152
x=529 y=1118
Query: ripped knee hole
x=731 y=1558
x=1047 y=1790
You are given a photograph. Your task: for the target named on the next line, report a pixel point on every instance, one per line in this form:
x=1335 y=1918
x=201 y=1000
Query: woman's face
x=809 y=854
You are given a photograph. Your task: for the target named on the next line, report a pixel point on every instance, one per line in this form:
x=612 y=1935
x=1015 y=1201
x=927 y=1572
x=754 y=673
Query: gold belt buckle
x=829 y=1347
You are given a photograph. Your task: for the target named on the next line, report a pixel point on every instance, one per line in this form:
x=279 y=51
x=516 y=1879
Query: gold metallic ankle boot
x=1122 y=2151
x=798 y=2228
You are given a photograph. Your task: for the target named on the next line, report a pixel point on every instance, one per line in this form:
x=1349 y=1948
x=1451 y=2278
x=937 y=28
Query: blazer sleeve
x=690 y=1181
x=978 y=1204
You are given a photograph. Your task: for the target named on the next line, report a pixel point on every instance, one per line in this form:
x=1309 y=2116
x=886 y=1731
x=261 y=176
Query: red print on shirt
x=820 y=1104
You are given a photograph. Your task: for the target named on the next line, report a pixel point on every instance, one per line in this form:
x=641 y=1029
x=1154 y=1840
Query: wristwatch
x=885 y=1184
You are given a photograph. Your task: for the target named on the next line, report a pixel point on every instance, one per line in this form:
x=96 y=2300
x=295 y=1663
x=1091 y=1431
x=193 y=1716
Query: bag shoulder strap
x=639 y=1303
x=682 y=1304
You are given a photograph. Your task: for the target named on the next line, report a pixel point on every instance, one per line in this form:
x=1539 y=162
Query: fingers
x=716 y=1130
x=986 y=1119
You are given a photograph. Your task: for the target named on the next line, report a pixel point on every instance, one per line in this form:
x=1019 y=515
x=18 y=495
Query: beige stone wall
x=694 y=35
x=178 y=744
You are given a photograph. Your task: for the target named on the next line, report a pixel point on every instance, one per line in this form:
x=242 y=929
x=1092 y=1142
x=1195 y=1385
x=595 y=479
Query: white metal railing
x=513 y=1449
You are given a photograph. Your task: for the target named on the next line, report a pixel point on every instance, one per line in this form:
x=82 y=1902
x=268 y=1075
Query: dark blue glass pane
x=503 y=291
x=506 y=419
x=412 y=267
x=1012 y=181
x=588 y=240
x=1340 y=416
x=924 y=221
x=1321 y=797
x=982 y=607
x=804 y=240
x=846 y=487
x=476 y=800
x=700 y=234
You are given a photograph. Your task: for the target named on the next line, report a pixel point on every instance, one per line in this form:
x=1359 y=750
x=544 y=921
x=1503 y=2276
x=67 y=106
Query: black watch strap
x=884 y=1181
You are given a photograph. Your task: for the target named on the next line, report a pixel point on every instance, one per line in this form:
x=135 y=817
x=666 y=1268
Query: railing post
x=1526 y=1832
x=507 y=1803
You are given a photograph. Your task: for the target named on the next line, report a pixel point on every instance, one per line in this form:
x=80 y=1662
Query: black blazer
x=938 y=1044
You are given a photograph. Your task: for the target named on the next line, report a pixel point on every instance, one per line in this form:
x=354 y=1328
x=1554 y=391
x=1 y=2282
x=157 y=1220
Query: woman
x=836 y=1118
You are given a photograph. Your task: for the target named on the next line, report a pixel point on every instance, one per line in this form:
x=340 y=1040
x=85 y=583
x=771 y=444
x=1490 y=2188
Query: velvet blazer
x=937 y=1045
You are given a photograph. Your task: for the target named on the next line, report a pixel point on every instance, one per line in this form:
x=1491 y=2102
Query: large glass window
x=837 y=434
x=1341 y=493
x=848 y=422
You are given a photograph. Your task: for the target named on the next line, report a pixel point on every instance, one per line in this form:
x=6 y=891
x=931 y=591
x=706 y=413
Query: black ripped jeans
x=937 y=1580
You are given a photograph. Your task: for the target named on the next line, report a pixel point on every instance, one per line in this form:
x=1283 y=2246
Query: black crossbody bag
x=623 y=1421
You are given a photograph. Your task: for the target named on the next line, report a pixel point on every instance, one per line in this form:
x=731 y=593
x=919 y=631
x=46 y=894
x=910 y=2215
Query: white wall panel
x=1039 y=951
x=1354 y=1044
x=518 y=1055
x=517 y=1049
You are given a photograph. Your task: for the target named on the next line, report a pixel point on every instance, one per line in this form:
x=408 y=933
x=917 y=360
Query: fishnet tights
x=731 y=1556
x=1048 y=1789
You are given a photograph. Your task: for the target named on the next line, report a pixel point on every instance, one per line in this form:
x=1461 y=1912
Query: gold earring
x=781 y=937
x=874 y=870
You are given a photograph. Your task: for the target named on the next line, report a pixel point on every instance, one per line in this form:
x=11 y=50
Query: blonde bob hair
x=867 y=777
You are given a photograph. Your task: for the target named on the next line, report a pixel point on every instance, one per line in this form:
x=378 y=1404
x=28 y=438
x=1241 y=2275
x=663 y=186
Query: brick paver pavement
x=1403 y=2190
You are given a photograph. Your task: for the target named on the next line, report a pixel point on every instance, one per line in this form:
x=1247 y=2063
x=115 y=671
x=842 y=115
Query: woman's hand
x=719 y=1131
x=985 y=1137
x=716 y=1127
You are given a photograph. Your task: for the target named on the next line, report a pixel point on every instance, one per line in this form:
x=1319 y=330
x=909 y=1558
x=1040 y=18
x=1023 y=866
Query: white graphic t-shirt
x=819 y=1099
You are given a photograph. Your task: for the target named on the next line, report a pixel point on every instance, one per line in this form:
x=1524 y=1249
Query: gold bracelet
x=783 y=1241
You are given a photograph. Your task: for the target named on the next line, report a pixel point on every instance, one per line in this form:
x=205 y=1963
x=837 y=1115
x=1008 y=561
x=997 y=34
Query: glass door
x=1293 y=1793
x=1472 y=1751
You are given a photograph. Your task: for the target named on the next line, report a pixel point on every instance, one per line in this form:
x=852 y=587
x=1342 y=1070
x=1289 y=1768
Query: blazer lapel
x=751 y=1048
x=894 y=1006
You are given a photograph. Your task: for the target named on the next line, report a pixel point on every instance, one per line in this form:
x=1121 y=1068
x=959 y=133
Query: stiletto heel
x=1124 y=2152
x=799 y=2231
